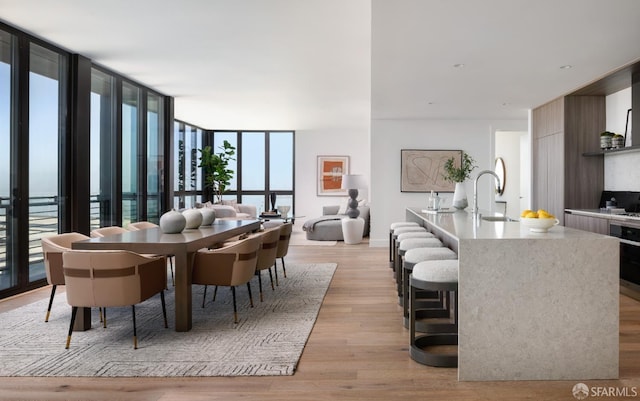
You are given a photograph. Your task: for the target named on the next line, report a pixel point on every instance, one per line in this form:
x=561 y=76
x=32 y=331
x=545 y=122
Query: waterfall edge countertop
x=532 y=306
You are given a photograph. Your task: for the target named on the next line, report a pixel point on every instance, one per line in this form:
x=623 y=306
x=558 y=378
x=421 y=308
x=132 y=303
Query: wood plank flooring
x=358 y=350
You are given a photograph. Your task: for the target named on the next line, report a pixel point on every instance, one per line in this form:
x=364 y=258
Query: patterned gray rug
x=267 y=341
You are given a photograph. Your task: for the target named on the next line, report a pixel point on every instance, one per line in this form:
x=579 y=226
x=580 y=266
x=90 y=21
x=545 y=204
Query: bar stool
x=431 y=303
x=394 y=242
x=440 y=275
x=406 y=235
x=411 y=243
x=395 y=225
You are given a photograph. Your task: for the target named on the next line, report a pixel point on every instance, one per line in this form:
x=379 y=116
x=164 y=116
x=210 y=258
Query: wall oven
x=629 y=234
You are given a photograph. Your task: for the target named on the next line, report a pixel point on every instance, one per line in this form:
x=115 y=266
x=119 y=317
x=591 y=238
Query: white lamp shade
x=353 y=181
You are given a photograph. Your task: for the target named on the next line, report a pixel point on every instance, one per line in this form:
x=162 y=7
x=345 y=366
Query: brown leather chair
x=52 y=248
x=231 y=265
x=283 y=247
x=112 y=279
x=267 y=254
x=143 y=225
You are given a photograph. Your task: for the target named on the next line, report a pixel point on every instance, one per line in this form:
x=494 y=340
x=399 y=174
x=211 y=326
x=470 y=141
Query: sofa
x=328 y=227
x=232 y=210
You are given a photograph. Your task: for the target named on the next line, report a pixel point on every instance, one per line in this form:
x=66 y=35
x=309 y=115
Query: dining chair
x=105 y=231
x=231 y=265
x=267 y=255
x=52 y=248
x=143 y=225
x=283 y=247
x=112 y=279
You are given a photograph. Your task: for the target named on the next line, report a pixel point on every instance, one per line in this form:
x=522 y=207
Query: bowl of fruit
x=538 y=221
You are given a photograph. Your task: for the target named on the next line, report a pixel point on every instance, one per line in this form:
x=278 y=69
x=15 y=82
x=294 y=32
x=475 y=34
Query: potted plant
x=215 y=168
x=606 y=140
x=459 y=175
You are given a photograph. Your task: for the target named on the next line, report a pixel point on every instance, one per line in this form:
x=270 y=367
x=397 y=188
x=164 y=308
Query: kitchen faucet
x=475 y=189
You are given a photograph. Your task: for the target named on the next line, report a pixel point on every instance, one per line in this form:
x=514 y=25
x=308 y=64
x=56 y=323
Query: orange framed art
x=330 y=171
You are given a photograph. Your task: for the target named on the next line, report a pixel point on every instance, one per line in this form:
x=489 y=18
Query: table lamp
x=353 y=182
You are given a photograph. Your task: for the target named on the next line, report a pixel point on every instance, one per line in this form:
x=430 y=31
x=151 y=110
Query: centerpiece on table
x=459 y=175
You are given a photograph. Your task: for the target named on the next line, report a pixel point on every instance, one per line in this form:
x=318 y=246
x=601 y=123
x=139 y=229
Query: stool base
x=444 y=360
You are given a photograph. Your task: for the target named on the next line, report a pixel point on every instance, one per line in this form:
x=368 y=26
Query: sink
x=497 y=218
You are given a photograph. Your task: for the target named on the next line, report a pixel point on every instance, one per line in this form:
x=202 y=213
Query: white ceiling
x=300 y=64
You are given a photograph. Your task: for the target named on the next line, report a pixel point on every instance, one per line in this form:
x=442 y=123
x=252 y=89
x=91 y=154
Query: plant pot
x=460 y=196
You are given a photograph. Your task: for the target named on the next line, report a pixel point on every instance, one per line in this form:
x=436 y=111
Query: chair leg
x=164 y=309
x=100 y=314
x=53 y=292
x=271 y=278
x=284 y=269
x=104 y=318
x=275 y=269
x=135 y=334
x=74 y=311
x=259 y=274
x=250 y=297
x=204 y=295
x=215 y=292
x=235 y=310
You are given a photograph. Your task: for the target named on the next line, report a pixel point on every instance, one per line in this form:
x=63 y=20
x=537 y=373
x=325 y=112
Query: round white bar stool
x=410 y=234
x=394 y=242
x=392 y=227
x=410 y=243
x=430 y=304
x=440 y=275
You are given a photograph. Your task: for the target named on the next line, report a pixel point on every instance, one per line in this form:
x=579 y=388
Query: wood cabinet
x=562 y=131
x=599 y=225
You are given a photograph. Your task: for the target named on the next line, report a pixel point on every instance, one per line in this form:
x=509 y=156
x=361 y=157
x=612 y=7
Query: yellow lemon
x=525 y=212
x=531 y=215
x=545 y=215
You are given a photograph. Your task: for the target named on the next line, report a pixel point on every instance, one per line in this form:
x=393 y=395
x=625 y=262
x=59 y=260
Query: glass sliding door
x=155 y=157
x=130 y=138
x=102 y=151
x=281 y=167
x=253 y=170
x=8 y=267
x=46 y=133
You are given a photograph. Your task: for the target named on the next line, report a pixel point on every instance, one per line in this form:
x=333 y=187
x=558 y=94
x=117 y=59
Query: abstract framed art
x=330 y=171
x=423 y=170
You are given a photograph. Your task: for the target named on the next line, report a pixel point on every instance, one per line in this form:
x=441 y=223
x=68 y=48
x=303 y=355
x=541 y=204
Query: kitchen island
x=531 y=306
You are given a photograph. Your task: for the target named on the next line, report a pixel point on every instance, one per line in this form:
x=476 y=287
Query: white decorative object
x=193 y=217
x=172 y=222
x=460 y=196
x=284 y=211
x=352 y=230
x=208 y=216
x=539 y=225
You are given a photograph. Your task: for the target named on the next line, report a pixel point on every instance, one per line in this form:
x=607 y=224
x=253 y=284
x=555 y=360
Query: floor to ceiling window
x=80 y=147
x=102 y=151
x=263 y=165
x=8 y=271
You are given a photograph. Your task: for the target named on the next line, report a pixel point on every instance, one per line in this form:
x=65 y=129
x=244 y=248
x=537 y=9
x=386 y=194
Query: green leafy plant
x=215 y=168
x=458 y=174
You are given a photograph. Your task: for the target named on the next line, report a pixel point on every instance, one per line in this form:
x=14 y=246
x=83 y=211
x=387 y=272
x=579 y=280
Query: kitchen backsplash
x=622 y=171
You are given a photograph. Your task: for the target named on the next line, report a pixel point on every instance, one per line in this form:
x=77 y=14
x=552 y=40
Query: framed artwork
x=423 y=170
x=330 y=171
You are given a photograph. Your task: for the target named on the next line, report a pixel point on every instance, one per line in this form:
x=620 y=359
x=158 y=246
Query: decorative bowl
x=539 y=225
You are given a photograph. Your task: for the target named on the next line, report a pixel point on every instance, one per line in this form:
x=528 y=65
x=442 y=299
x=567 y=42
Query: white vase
x=172 y=222
x=208 y=216
x=193 y=218
x=460 y=196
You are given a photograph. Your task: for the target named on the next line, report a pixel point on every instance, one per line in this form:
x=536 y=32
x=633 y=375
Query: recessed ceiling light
x=566 y=67
x=460 y=65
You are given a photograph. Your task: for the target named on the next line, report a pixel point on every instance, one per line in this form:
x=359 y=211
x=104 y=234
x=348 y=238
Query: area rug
x=267 y=341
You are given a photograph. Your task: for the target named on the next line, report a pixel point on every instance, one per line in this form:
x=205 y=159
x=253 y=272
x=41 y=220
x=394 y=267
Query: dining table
x=183 y=246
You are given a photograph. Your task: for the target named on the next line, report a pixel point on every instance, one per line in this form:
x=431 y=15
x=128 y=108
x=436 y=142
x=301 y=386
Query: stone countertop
x=601 y=214
x=462 y=225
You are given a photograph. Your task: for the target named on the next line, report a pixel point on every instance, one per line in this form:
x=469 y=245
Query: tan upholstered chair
x=105 y=231
x=143 y=225
x=112 y=279
x=283 y=247
x=52 y=248
x=231 y=265
x=267 y=254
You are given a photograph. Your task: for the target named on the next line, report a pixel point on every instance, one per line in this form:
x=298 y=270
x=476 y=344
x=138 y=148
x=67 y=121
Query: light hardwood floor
x=356 y=351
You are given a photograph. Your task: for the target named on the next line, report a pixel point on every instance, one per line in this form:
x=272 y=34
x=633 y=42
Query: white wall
x=508 y=147
x=389 y=137
x=621 y=171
